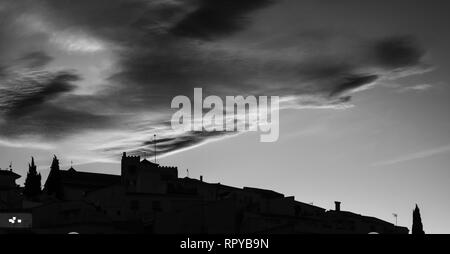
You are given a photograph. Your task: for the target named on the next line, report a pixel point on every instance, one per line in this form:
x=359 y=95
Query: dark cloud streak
x=36 y=60
x=43 y=89
x=166 y=49
x=351 y=83
x=398 y=52
x=217 y=18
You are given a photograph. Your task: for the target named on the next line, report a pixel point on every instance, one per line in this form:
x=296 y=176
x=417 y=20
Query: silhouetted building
x=147 y=197
x=63 y=217
x=145 y=176
x=9 y=191
x=76 y=184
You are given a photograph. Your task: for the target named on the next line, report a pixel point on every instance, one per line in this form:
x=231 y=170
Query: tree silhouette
x=33 y=181
x=417 y=227
x=53 y=185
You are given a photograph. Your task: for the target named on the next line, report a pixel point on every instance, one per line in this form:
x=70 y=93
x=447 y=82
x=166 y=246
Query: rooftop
x=9 y=173
x=73 y=177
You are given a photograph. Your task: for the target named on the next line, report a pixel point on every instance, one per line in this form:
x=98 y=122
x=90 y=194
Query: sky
x=364 y=88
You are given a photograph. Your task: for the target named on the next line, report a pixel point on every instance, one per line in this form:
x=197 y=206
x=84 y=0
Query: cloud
x=29 y=106
x=180 y=142
x=352 y=83
x=35 y=60
x=416 y=88
x=212 y=19
x=76 y=42
x=163 y=49
x=52 y=122
x=415 y=156
x=27 y=93
x=398 y=52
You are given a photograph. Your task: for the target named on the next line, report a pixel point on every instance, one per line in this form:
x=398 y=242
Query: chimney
x=201 y=178
x=337 y=205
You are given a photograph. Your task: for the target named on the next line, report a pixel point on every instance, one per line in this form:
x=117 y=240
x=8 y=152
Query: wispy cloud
x=415 y=156
x=161 y=49
x=417 y=88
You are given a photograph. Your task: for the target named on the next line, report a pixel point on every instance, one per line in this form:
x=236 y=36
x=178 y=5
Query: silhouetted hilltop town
x=149 y=198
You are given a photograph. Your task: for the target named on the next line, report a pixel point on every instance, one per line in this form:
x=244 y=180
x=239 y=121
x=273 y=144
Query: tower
x=128 y=171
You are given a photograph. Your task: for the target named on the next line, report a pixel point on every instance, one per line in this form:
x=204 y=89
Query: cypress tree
x=417 y=227
x=33 y=181
x=53 y=185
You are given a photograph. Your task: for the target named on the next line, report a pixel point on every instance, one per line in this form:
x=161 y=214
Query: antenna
x=395 y=215
x=154 y=140
x=10 y=166
x=187 y=172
